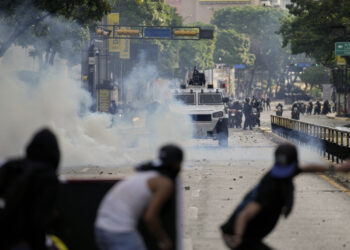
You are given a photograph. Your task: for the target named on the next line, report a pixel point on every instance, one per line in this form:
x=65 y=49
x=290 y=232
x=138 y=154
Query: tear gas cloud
x=59 y=102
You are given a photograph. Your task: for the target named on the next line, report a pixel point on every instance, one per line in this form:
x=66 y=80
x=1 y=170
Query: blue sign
x=157 y=33
x=239 y=66
x=307 y=64
x=301 y=65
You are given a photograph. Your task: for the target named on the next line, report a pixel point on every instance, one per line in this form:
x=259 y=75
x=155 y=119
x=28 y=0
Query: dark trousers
x=247 y=122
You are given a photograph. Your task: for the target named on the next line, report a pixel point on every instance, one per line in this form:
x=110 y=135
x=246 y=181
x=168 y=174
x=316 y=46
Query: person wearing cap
x=141 y=196
x=258 y=213
x=29 y=189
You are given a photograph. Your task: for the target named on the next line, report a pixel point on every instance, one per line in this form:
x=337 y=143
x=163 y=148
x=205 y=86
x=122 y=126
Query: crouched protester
x=257 y=215
x=141 y=196
x=28 y=192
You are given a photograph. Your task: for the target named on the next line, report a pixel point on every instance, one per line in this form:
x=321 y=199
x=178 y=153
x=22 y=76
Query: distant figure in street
x=317 y=109
x=257 y=215
x=142 y=196
x=195 y=71
x=113 y=108
x=263 y=103
x=295 y=113
x=268 y=107
x=28 y=191
x=310 y=108
x=247 y=111
x=326 y=108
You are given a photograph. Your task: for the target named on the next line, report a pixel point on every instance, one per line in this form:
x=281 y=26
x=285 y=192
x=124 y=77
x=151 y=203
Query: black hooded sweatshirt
x=29 y=189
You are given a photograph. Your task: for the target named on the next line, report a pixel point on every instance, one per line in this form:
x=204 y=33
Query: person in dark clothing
x=247 y=110
x=28 y=192
x=268 y=107
x=326 y=108
x=295 y=113
x=255 y=117
x=317 y=109
x=257 y=215
x=310 y=108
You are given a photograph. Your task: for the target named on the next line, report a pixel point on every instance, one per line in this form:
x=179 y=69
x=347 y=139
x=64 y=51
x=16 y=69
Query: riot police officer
x=247 y=110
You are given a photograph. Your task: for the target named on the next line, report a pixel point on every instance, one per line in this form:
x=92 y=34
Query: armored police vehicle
x=206 y=106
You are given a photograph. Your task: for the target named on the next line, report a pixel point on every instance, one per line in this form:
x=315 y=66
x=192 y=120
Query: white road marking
x=193 y=212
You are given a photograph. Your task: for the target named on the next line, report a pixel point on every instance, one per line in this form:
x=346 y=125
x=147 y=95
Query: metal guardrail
x=333 y=143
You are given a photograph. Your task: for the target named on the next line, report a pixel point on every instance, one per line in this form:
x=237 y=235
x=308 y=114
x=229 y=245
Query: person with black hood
x=257 y=215
x=28 y=192
x=141 y=196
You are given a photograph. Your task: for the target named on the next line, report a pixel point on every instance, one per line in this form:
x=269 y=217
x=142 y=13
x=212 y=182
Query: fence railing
x=333 y=143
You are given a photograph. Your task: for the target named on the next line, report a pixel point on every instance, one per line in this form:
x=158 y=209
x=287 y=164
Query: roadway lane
x=215 y=180
x=216 y=183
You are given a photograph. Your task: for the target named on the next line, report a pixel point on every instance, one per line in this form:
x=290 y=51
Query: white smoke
x=56 y=101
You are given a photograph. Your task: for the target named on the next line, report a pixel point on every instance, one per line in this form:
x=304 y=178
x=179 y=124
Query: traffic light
x=126 y=32
x=103 y=32
x=185 y=32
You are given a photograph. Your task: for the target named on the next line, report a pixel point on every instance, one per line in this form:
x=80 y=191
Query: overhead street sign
x=342 y=49
x=157 y=33
x=239 y=66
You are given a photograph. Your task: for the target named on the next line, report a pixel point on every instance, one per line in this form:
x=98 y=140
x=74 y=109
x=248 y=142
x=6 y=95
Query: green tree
x=233 y=48
x=25 y=18
x=315 y=76
x=260 y=25
x=152 y=13
x=310 y=27
x=198 y=53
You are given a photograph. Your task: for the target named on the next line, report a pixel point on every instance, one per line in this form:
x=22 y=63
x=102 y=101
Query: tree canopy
x=259 y=25
x=22 y=22
x=233 y=48
x=311 y=27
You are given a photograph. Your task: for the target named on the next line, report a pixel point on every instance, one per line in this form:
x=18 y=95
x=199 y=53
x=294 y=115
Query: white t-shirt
x=122 y=207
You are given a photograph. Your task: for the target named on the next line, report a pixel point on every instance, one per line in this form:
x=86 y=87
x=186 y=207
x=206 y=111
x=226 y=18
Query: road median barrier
x=329 y=142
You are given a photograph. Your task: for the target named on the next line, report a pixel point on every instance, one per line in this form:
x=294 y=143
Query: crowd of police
x=311 y=108
x=251 y=108
x=29 y=191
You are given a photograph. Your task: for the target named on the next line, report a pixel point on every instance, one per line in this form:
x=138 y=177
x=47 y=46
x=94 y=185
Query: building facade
x=202 y=10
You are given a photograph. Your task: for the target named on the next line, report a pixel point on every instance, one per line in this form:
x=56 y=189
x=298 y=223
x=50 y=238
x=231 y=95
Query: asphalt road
x=214 y=180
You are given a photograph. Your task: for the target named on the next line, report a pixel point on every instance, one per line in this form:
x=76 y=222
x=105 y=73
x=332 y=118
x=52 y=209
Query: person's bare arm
x=248 y=213
x=314 y=168
x=162 y=189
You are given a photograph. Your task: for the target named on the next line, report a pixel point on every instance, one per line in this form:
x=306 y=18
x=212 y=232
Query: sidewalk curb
x=338 y=118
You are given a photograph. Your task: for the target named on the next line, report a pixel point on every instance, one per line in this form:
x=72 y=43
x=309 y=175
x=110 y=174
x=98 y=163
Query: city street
x=214 y=181
x=96 y=91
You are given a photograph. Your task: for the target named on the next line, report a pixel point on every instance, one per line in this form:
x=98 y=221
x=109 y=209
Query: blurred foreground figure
x=258 y=213
x=141 y=196
x=28 y=192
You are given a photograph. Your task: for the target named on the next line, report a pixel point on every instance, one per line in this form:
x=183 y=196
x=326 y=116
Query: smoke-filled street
x=215 y=180
x=174 y=125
